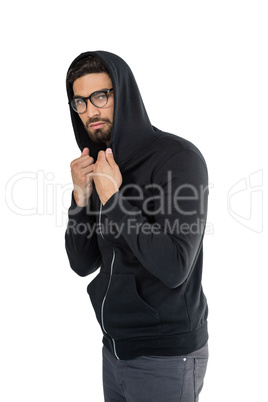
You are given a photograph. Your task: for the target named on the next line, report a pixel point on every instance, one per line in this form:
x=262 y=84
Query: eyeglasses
x=98 y=99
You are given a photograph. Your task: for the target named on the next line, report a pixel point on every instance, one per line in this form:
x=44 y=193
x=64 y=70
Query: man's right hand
x=81 y=169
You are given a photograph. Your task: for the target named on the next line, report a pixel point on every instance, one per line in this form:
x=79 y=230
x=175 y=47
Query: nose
x=92 y=110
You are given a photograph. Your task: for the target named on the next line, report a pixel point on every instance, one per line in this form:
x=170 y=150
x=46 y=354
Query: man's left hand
x=107 y=176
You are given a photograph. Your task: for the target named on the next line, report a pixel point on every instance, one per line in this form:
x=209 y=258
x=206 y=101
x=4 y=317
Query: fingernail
x=109 y=150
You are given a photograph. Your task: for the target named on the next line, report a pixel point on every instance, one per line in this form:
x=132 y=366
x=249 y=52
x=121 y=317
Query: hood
x=132 y=129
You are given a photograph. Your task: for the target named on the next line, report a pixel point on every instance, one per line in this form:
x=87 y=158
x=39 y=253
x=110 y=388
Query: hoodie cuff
x=77 y=211
x=118 y=208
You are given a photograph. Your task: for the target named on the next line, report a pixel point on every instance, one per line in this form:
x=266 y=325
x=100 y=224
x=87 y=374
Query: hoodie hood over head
x=132 y=129
x=147 y=239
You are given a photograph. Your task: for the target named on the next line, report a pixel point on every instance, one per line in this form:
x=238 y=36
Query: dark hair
x=88 y=65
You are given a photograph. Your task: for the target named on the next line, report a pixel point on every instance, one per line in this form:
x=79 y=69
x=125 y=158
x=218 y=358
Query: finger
x=109 y=156
x=85 y=152
x=82 y=161
x=79 y=164
x=85 y=161
x=88 y=170
x=101 y=156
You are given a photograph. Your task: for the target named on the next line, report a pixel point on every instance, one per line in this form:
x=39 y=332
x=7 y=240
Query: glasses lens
x=99 y=99
x=79 y=105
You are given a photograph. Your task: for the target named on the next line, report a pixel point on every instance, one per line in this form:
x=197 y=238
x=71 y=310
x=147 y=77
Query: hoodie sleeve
x=168 y=244
x=81 y=240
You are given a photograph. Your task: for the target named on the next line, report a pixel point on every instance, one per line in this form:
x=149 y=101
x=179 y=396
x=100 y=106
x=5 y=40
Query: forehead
x=84 y=86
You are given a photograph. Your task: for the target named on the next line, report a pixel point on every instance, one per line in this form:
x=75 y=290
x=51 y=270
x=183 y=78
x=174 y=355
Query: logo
x=245 y=201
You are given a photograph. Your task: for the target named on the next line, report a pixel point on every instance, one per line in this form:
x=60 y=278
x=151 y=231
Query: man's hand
x=107 y=176
x=81 y=169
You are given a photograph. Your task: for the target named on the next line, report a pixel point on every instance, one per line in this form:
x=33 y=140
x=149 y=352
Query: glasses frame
x=89 y=98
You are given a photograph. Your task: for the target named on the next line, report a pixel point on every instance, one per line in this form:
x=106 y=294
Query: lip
x=97 y=125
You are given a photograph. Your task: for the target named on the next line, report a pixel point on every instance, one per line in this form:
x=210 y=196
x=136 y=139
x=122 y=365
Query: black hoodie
x=147 y=239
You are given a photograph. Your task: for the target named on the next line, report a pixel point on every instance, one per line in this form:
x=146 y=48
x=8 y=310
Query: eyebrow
x=98 y=90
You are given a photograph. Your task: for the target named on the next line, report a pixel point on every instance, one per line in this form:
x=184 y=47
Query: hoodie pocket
x=126 y=314
x=97 y=290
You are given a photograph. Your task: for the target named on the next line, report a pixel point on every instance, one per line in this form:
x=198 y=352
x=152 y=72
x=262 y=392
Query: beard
x=102 y=134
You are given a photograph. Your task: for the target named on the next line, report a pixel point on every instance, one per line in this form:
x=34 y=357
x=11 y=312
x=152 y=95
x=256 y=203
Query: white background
x=213 y=56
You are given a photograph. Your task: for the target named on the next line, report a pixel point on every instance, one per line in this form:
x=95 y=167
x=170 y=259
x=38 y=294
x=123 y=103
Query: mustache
x=96 y=120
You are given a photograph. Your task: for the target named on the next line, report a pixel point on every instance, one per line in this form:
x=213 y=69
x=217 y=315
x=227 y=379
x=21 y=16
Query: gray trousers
x=154 y=378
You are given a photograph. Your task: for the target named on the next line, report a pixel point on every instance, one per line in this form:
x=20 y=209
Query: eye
x=79 y=101
x=99 y=99
x=79 y=105
x=100 y=96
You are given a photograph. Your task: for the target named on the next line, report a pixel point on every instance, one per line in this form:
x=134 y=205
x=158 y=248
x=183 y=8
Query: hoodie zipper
x=107 y=290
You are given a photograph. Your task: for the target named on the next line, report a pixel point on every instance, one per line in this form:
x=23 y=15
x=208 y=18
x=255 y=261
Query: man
x=138 y=213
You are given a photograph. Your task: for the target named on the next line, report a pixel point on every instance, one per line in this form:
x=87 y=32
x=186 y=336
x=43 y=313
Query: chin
x=100 y=136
